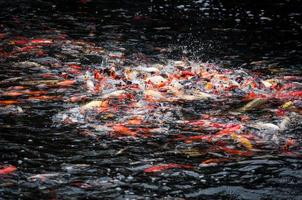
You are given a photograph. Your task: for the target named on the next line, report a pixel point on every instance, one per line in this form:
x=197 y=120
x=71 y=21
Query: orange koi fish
x=18 y=87
x=8 y=102
x=74 y=99
x=123 y=130
x=135 y=121
x=44 y=98
x=162 y=167
x=35 y=92
x=216 y=160
x=66 y=83
x=190 y=139
x=12 y=93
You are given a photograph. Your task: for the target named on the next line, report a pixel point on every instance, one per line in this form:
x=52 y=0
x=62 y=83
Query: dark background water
x=233 y=33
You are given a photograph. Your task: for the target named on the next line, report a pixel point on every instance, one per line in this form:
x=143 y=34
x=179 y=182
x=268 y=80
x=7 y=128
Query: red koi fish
x=74 y=71
x=237 y=152
x=289 y=86
x=197 y=123
x=97 y=75
x=231 y=129
x=280 y=112
x=162 y=167
x=289 y=143
x=231 y=87
x=253 y=95
x=27 y=49
x=187 y=74
x=74 y=66
x=218 y=125
x=289 y=95
x=19 y=42
x=41 y=41
x=48 y=75
x=2 y=35
x=8 y=170
x=190 y=139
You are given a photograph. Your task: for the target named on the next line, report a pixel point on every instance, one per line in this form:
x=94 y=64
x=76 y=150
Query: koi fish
x=19 y=42
x=27 y=49
x=97 y=75
x=242 y=140
x=280 y=112
x=237 y=152
x=289 y=95
x=66 y=83
x=12 y=93
x=289 y=143
x=253 y=95
x=197 y=123
x=48 y=75
x=216 y=161
x=92 y=104
x=190 y=139
x=74 y=66
x=74 y=99
x=8 y=170
x=35 y=92
x=8 y=102
x=18 y=87
x=187 y=74
x=135 y=121
x=44 y=98
x=90 y=85
x=2 y=35
x=162 y=167
x=123 y=130
x=255 y=103
x=231 y=129
x=41 y=41
x=43 y=177
x=292 y=78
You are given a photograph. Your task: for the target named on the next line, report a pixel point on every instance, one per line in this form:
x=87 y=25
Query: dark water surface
x=81 y=160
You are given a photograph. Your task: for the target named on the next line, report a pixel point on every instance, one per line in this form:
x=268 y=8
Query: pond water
x=196 y=99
